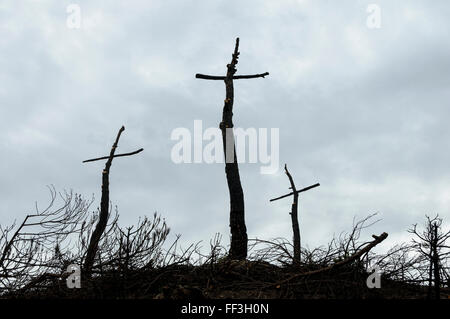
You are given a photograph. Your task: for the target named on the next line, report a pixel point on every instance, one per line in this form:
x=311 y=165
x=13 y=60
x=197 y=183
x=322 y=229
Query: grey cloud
x=361 y=111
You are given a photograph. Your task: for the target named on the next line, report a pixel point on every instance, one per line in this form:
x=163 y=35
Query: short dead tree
x=104 y=204
x=294 y=213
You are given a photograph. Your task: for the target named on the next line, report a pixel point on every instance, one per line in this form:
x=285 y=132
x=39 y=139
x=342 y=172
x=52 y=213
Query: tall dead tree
x=238 y=247
x=104 y=204
x=294 y=214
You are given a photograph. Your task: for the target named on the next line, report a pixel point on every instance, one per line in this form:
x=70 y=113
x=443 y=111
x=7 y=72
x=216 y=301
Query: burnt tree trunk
x=436 y=268
x=294 y=214
x=104 y=210
x=430 y=269
x=238 y=249
x=294 y=217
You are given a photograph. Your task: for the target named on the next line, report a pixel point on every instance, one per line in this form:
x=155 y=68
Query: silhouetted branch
x=294 y=218
x=431 y=246
x=235 y=77
x=118 y=155
x=355 y=256
x=238 y=249
x=299 y=191
x=104 y=210
x=33 y=249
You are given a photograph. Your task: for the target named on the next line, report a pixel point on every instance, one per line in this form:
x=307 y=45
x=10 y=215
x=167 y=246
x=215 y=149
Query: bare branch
x=235 y=77
x=118 y=155
x=355 y=256
x=299 y=191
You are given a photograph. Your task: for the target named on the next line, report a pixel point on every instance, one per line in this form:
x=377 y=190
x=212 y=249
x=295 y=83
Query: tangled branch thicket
x=36 y=253
x=136 y=261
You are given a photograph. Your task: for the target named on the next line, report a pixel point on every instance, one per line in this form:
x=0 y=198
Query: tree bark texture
x=238 y=249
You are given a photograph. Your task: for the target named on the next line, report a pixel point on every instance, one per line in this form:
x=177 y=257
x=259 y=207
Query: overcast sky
x=362 y=111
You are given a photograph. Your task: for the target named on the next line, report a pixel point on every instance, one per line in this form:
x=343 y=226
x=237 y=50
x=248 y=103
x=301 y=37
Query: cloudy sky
x=363 y=111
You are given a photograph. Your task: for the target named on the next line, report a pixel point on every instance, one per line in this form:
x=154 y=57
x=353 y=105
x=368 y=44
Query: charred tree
x=104 y=204
x=436 y=267
x=238 y=249
x=294 y=217
x=432 y=245
x=294 y=214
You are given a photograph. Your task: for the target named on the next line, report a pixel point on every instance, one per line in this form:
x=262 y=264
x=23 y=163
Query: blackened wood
x=238 y=246
x=436 y=268
x=431 y=263
x=355 y=256
x=118 y=155
x=235 y=77
x=104 y=210
x=239 y=239
x=298 y=192
x=294 y=218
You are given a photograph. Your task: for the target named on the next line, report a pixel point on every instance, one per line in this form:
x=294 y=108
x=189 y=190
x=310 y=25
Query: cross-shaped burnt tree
x=238 y=247
x=104 y=203
x=294 y=213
